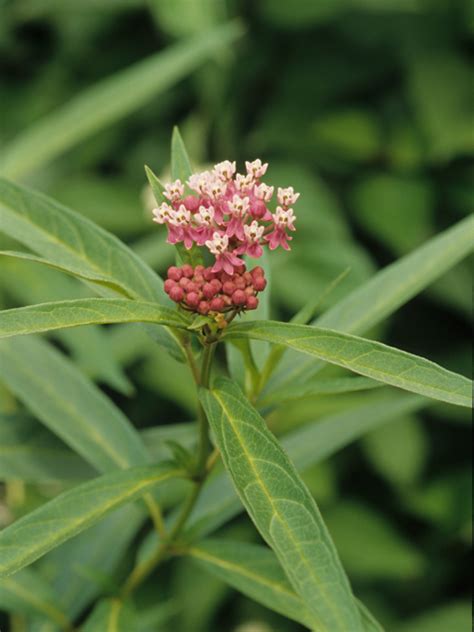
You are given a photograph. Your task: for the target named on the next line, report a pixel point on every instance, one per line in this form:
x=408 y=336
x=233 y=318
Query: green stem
x=204 y=440
x=143 y=570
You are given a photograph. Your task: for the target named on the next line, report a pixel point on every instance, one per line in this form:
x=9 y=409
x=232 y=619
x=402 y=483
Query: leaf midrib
x=275 y=510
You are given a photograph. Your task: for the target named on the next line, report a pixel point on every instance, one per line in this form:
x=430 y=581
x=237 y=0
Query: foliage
x=136 y=481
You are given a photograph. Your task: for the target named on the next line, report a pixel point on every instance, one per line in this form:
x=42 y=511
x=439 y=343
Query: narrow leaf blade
x=69 y=404
x=281 y=507
x=66 y=240
x=253 y=570
x=372 y=359
x=97 y=311
x=388 y=290
x=71 y=512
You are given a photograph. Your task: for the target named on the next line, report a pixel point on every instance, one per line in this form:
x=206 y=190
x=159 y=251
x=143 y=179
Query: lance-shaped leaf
x=88 y=311
x=367 y=357
x=29 y=452
x=318 y=386
x=281 y=507
x=388 y=290
x=66 y=240
x=306 y=447
x=28 y=593
x=111 y=615
x=71 y=512
x=69 y=404
x=89 y=346
x=254 y=570
x=111 y=99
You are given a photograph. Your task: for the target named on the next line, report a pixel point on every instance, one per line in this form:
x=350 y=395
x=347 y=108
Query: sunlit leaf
x=88 y=311
x=281 y=507
x=372 y=359
x=306 y=447
x=388 y=290
x=72 y=243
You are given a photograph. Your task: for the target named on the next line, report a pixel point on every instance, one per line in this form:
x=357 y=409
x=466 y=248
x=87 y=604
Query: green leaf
x=28 y=452
x=28 y=593
x=372 y=359
x=181 y=170
x=398 y=451
x=71 y=512
x=64 y=239
x=69 y=404
x=111 y=615
x=88 y=311
x=89 y=346
x=306 y=446
x=96 y=553
x=388 y=290
x=110 y=100
x=157 y=187
x=281 y=507
x=318 y=387
x=369 y=546
x=455 y=617
x=253 y=570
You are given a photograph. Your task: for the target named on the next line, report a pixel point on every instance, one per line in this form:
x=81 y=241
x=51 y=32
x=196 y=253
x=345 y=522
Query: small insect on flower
x=232 y=215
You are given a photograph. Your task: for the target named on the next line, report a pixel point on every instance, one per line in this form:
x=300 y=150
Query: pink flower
x=174 y=190
x=263 y=192
x=287 y=197
x=253 y=234
x=228 y=213
x=163 y=214
x=225 y=170
x=283 y=220
x=256 y=169
x=205 y=228
x=225 y=260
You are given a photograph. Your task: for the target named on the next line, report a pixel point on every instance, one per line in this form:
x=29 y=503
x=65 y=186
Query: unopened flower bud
x=239 y=297
x=252 y=302
x=192 y=299
x=260 y=283
x=168 y=285
x=174 y=273
x=203 y=308
x=228 y=288
x=176 y=294
x=187 y=271
x=209 y=290
x=217 y=304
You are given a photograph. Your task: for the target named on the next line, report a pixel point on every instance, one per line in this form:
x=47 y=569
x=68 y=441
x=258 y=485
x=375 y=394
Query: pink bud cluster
x=204 y=291
x=228 y=213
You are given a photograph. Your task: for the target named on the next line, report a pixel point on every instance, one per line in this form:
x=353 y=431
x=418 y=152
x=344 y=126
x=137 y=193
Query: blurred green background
x=365 y=107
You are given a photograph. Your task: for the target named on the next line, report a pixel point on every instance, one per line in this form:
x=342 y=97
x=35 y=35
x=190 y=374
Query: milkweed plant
x=146 y=499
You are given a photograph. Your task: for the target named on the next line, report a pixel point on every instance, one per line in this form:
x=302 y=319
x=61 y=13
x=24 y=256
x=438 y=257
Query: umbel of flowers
x=229 y=214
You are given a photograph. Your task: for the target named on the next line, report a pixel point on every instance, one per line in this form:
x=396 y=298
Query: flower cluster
x=228 y=213
x=204 y=291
